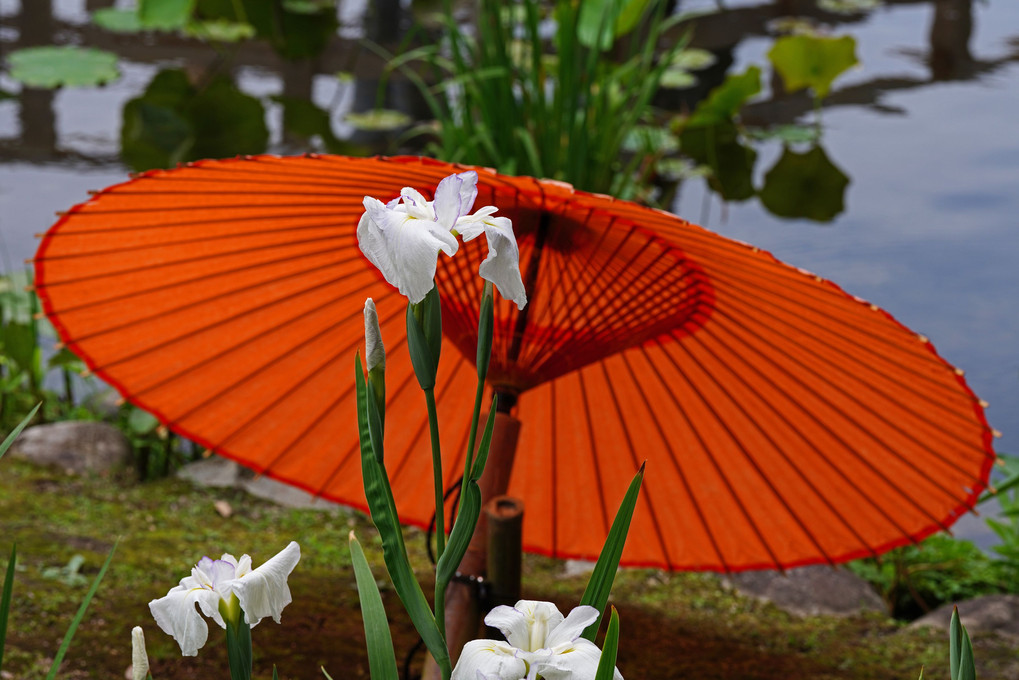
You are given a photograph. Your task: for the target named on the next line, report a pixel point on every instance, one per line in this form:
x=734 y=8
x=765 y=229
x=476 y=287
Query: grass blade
x=597 y=592
x=5 y=601
x=73 y=628
x=954 y=644
x=381 y=658
x=17 y=430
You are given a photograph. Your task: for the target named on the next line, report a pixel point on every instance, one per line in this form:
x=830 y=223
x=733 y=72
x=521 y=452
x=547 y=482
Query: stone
x=997 y=613
x=75 y=446
x=219 y=472
x=810 y=591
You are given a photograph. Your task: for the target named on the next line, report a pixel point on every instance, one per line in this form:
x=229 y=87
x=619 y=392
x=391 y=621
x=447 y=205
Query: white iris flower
x=541 y=643
x=218 y=587
x=404 y=237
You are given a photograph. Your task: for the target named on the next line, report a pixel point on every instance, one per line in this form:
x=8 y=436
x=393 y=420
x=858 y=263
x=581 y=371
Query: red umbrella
x=784 y=422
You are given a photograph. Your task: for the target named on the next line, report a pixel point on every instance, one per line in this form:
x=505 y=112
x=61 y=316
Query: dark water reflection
x=915 y=173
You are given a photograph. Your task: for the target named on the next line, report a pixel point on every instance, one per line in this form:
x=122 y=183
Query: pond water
x=924 y=130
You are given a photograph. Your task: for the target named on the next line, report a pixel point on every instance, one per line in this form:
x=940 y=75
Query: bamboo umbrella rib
x=257 y=370
x=203 y=222
x=204 y=278
x=718 y=469
x=738 y=440
x=813 y=328
x=677 y=466
x=647 y=490
x=592 y=449
x=764 y=432
x=846 y=373
x=820 y=422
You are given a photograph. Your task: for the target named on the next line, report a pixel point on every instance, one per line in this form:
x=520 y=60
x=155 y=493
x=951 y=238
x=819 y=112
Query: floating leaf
x=308 y=6
x=812 y=61
x=378 y=119
x=48 y=67
x=792 y=26
x=117 y=20
x=725 y=101
x=848 y=6
x=220 y=30
x=805 y=185
x=165 y=15
x=600 y=22
x=677 y=79
x=141 y=422
x=789 y=134
x=692 y=59
x=718 y=147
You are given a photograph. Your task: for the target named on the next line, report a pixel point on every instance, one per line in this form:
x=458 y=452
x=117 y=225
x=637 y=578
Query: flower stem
x=440 y=518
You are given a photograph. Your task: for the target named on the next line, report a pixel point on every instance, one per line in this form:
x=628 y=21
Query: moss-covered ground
x=673 y=625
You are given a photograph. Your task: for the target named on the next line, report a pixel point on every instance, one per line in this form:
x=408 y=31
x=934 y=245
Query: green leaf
x=848 y=6
x=678 y=79
x=607 y=662
x=5 y=599
x=383 y=513
x=954 y=644
x=381 y=658
x=725 y=101
x=600 y=584
x=220 y=30
x=117 y=20
x=601 y=22
x=787 y=134
x=20 y=345
x=967 y=667
x=141 y=422
x=805 y=185
x=72 y=629
x=486 y=442
x=431 y=324
x=486 y=325
x=17 y=430
x=718 y=147
x=165 y=15
x=378 y=120
x=49 y=67
x=692 y=59
x=460 y=536
x=812 y=61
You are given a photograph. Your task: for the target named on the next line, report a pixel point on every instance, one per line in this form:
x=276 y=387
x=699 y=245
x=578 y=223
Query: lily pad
x=805 y=185
x=725 y=101
x=117 y=20
x=49 y=67
x=378 y=119
x=692 y=59
x=719 y=148
x=165 y=15
x=812 y=61
x=651 y=139
x=789 y=134
x=677 y=79
x=220 y=30
x=848 y=6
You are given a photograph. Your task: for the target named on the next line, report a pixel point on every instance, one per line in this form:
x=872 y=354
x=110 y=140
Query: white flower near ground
x=404 y=237
x=213 y=585
x=540 y=643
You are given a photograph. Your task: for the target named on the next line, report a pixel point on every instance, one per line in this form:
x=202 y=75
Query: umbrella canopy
x=783 y=421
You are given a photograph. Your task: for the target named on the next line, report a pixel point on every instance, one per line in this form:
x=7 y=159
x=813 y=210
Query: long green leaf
x=598 y=587
x=607 y=663
x=967 y=667
x=5 y=601
x=486 y=442
x=17 y=430
x=420 y=354
x=460 y=536
x=73 y=628
x=954 y=644
x=381 y=658
x=383 y=512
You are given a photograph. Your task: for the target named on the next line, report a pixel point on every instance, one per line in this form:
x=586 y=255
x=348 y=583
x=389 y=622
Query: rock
x=219 y=472
x=75 y=446
x=999 y=613
x=810 y=591
x=224 y=509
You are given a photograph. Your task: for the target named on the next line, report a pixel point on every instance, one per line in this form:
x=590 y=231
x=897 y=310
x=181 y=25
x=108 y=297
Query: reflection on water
x=915 y=168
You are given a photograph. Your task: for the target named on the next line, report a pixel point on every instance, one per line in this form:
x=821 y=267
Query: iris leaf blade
x=381 y=657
